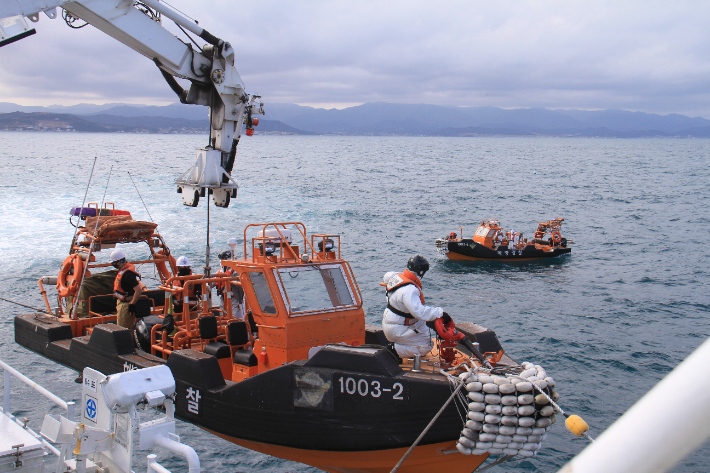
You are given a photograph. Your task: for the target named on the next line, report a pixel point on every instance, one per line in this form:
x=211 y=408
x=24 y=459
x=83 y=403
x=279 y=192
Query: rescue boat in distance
x=302 y=377
x=491 y=242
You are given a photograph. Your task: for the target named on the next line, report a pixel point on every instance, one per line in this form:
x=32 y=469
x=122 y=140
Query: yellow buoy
x=576 y=425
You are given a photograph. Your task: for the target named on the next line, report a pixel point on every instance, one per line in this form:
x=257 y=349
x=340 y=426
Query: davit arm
x=214 y=81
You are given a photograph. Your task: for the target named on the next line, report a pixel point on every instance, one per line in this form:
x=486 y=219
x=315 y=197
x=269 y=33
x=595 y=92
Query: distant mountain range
x=367 y=119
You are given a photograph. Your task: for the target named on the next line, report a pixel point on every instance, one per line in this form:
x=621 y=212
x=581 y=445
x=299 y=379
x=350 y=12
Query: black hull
x=309 y=404
x=468 y=250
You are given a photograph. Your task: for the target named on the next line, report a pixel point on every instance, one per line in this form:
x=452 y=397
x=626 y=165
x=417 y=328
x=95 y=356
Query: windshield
x=261 y=290
x=315 y=287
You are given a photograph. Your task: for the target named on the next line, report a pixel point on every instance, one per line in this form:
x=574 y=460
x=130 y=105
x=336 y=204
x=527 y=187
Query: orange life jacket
x=117 y=291
x=222 y=286
x=405 y=279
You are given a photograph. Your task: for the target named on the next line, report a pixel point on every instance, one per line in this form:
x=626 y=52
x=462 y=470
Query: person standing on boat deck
x=126 y=288
x=236 y=290
x=404 y=320
x=511 y=240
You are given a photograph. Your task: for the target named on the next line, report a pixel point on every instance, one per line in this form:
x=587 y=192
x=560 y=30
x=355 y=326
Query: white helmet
x=183 y=261
x=116 y=255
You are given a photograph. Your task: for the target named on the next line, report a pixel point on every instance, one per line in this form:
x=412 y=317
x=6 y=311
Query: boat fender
x=475 y=386
x=553 y=418
x=462 y=449
x=501 y=380
x=537 y=431
x=510 y=451
x=543 y=422
x=528 y=373
x=476 y=406
x=523 y=431
x=492 y=399
x=519 y=439
x=495 y=451
x=506 y=430
x=468 y=377
x=534 y=438
x=550 y=382
x=533 y=378
x=509 y=400
x=500 y=445
x=484 y=445
x=547 y=411
x=490 y=388
x=525 y=399
x=526 y=365
x=493 y=409
x=524 y=387
x=476 y=416
x=484 y=378
x=525 y=453
x=492 y=419
x=526 y=422
x=526 y=410
x=555 y=395
x=509 y=410
x=476 y=396
x=509 y=421
x=516 y=445
x=470 y=434
x=478 y=451
x=541 y=399
x=540 y=383
x=507 y=389
x=473 y=425
x=468 y=443
x=72 y=261
x=484 y=437
x=491 y=428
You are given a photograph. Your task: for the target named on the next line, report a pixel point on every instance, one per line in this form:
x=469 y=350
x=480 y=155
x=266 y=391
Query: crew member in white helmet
x=230 y=292
x=511 y=240
x=405 y=319
x=126 y=288
x=193 y=294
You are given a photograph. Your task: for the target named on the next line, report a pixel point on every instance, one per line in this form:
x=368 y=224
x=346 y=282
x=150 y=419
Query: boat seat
x=143 y=307
x=245 y=357
x=237 y=333
x=209 y=330
x=102 y=304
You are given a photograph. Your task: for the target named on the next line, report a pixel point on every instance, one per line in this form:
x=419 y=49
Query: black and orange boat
x=302 y=377
x=491 y=242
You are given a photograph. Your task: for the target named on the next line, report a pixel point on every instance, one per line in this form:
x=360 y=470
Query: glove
x=446 y=318
x=131 y=308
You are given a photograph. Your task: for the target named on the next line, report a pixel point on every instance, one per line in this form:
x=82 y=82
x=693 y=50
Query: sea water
x=607 y=322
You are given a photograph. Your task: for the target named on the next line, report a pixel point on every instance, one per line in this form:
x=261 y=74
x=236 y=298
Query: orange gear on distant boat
x=69 y=289
x=556 y=237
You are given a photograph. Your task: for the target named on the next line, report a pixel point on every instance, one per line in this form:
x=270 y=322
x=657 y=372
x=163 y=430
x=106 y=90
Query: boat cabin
x=299 y=295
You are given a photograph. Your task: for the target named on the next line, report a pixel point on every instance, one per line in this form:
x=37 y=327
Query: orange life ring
x=162 y=267
x=68 y=284
x=556 y=237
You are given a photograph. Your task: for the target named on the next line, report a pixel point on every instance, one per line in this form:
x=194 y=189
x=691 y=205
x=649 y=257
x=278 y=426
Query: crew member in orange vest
x=404 y=322
x=126 y=288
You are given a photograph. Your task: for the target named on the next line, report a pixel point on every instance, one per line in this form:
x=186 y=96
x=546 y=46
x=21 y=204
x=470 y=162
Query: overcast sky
x=651 y=56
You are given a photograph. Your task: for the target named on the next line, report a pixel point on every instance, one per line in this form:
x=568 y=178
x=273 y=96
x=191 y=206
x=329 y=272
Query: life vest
x=403 y=279
x=222 y=286
x=117 y=291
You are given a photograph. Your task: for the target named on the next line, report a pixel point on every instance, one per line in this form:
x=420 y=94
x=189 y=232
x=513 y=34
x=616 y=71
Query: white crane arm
x=214 y=79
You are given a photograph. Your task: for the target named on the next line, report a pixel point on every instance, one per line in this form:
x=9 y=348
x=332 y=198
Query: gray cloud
x=648 y=56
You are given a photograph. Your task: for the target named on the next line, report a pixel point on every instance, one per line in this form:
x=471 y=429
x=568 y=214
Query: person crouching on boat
x=126 y=288
x=405 y=318
x=223 y=288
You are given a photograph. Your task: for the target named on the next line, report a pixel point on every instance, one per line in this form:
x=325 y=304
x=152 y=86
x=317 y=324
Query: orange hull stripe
x=424 y=459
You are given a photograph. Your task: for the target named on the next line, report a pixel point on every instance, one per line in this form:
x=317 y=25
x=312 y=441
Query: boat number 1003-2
x=371 y=388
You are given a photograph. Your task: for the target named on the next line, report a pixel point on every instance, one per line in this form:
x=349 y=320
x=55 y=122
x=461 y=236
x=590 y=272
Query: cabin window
x=315 y=287
x=481 y=231
x=261 y=290
x=490 y=234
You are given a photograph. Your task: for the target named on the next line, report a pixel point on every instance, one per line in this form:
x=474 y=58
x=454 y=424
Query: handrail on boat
x=10 y=371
